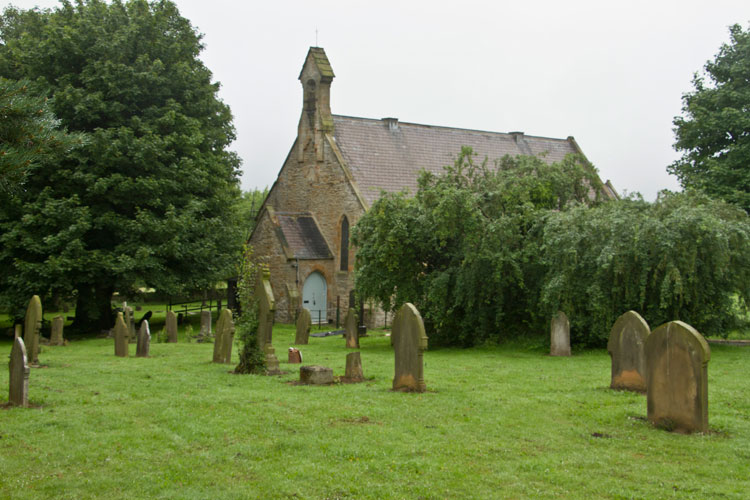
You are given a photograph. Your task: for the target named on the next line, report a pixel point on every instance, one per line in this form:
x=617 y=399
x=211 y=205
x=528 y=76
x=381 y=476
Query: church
x=336 y=168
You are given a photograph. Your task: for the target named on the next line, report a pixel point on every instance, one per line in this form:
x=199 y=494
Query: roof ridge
x=445 y=127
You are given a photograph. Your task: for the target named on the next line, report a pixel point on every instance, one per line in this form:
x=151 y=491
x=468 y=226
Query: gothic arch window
x=344 y=256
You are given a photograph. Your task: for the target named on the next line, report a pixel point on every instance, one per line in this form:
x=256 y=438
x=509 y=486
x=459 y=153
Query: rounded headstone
x=677 y=359
x=626 y=348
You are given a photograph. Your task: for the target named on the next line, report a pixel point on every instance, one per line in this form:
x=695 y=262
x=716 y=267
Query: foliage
x=487 y=254
x=683 y=257
x=714 y=131
x=458 y=249
x=248 y=205
x=252 y=358
x=29 y=132
x=148 y=201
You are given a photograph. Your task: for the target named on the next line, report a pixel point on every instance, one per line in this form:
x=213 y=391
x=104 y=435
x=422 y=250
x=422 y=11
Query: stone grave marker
x=129 y=322
x=121 y=336
x=224 y=337
x=315 y=375
x=18 y=332
x=560 y=335
x=625 y=346
x=353 y=371
x=144 y=340
x=295 y=356
x=171 y=326
x=19 y=375
x=205 y=324
x=266 y=310
x=352 y=330
x=409 y=343
x=31 y=328
x=56 y=333
x=304 y=321
x=677 y=359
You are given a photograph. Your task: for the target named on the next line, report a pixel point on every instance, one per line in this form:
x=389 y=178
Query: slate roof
x=303 y=236
x=387 y=154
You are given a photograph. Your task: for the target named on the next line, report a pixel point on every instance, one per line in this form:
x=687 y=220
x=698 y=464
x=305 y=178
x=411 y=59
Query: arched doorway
x=314 y=297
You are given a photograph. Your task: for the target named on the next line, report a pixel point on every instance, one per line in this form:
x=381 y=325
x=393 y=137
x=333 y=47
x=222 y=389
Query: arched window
x=344 y=244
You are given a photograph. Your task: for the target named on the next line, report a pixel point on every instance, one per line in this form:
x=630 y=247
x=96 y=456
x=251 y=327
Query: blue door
x=314 y=297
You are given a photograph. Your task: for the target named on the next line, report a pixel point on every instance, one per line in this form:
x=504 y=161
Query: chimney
x=391 y=123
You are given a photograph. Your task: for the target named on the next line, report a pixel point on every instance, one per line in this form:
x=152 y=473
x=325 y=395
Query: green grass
x=499 y=422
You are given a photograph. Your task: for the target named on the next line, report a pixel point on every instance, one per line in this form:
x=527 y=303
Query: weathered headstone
x=224 y=337
x=143 y=346
x=409 y=343
x=295 y=356
x=266 y=310
x=18 y=332
x=352 y=332
x=129 y=322
x=56 y=333
x=171 y=325
x=677 y=359
x=625 y=346
x=353 y=371
x=315 y=375
x=205 y=324
x=31 y=328
x=304 y=320
x=559 y=335
x=121 y=336
x=19 y=375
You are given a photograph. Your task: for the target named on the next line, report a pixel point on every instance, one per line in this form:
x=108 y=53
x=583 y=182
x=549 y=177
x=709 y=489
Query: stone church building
x=304 y=237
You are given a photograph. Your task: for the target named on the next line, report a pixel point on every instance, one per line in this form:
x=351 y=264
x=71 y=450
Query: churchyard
x=505 y=421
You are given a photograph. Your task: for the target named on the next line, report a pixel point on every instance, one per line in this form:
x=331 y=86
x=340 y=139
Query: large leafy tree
x=149 y=200
x=458 y=249
x=714 y=131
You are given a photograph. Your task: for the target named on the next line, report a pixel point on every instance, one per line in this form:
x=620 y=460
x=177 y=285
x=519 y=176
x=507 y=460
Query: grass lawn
x=500 y=422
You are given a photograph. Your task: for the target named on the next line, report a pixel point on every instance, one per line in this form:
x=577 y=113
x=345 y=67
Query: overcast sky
x=611 y=74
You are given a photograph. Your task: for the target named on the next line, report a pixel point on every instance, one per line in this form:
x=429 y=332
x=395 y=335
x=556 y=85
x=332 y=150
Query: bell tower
x=316 y=120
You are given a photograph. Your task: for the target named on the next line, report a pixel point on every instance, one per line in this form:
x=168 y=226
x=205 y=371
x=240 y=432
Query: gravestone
x=31 y=328
x=677 y=359
x=121 y=336
x=224 y=337
x=266 y=310
x=144 y=340
x=205 y=324
x=56 y=333
x=625 y=346
x=352 y=331
x=353 y=371
x=171 y=326
x=19 y=375
x=129 y=322
x=559 y=335
x=315 y=375
x=295 y=356
x=409 y=342
x=18 y=332
x=304 y=320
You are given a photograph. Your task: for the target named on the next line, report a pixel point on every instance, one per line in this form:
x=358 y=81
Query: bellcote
x=316 y=120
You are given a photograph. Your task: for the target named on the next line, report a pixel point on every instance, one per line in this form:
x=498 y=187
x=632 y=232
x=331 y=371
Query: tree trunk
x=93 y=309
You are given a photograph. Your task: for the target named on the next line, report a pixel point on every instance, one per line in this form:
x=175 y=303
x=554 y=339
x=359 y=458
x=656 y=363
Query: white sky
x=611 y=74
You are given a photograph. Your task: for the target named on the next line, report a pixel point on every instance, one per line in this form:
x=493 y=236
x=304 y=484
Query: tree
x=248 y=206
x=714 y=133
x=683 y=257
x=29 y=132
x=149 y=200
x=458 y=249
